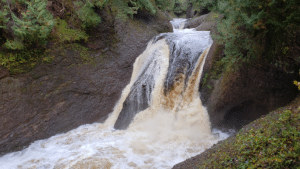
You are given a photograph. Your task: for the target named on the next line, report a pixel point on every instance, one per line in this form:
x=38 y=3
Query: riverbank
x=269 y=142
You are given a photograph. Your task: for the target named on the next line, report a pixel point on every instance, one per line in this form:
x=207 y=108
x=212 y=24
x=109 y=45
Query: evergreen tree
x=86 y=12
x=32 y=27
x=130 y=7
x=3 y=14
x=165 y=4
x=257 y=28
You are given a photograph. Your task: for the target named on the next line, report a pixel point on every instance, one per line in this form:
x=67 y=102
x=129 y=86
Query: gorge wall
x=236 y=98
x=75 y=88
x=252 y=99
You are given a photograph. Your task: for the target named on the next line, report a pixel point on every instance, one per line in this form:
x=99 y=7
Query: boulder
x=207 y=22
x=195 y=22
x=208 y=26
x=244 y=95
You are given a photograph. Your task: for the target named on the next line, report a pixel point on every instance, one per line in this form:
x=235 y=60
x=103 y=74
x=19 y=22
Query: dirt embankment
x=80 y=86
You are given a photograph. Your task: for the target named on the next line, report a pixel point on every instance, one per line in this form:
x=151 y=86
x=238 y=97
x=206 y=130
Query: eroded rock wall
x=241 y=97
x=236 y=98
x=68 y=92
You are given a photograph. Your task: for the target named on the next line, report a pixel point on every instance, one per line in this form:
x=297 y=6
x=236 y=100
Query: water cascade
x=158 y=122
x=178 y=23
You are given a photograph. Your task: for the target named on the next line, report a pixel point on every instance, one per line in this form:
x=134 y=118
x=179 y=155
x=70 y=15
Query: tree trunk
x=190 y=11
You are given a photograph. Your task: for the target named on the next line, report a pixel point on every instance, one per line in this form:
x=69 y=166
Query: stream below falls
x=158 y=122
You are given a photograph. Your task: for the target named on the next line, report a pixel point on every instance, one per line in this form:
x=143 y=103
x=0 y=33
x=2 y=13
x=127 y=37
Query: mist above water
x=160 y=113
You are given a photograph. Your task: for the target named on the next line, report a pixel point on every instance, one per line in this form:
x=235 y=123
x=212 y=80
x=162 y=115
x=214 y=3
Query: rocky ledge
x=77 y=87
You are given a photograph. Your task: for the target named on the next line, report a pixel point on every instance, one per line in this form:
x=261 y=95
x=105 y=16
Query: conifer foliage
x=180 y=6
x=257 y=29
x=32 y=25
x=86 y=12
x=165 y=4
x=130 y=7
x=28 y=22
x=26 y=25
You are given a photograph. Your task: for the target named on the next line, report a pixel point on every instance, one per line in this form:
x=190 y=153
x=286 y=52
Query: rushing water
x=160 y=115
x=178 y=23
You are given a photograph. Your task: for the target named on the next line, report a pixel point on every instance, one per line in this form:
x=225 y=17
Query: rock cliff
x=236 y=98
x=78 y=86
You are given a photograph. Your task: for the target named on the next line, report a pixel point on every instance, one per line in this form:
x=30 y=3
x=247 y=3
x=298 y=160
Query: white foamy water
x=173 y=128
x=178 y=23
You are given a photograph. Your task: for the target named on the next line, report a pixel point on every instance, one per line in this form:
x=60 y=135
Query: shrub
x=25 y=25
x=124 y=8
x=269 y=142
x=87 y=14
x=180 y=6
x=203 y=4
x=3 y=15
x=32 y=27
x=63 y=33
x=257 y=29
x=20 y=61
x=165 y=4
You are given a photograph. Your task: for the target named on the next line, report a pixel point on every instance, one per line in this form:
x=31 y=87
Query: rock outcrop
x=207 y=22
x=3 y=72
x=195 y=22
x=75 y=88
x=236 y=98
x=239 y=145
x=240 y=97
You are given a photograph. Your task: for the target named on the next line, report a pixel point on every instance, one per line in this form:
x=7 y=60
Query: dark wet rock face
x=60 y=96
x=241 y=97
x=138 y=98
x=133 y=105
x=237 y=98
x=3 y=72
x=234 y=99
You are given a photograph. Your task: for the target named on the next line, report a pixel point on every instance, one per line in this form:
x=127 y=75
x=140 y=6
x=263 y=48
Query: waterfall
x=158 y=122
x=178 y=23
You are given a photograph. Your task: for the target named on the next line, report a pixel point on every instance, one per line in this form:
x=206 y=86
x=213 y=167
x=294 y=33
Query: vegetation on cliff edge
x=269 y=142
x=265 y=30
x=27 y=26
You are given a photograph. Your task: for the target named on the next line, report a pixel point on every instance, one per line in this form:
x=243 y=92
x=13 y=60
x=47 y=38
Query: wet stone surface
x=66 y=93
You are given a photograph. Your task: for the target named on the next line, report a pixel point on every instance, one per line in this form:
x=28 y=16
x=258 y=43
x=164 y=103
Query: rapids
x=178 y=23
x=160 y=115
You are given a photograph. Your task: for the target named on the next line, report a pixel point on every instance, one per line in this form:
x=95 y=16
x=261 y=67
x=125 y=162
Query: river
x=158 y=122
